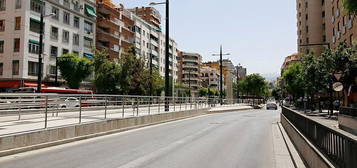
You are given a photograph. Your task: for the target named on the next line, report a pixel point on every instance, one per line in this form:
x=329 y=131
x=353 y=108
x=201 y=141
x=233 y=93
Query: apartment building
x=149 y=14
x=289 y=60
x=190 y=71
x=71 y=28
x=321 y=24
x=210 y=77
x=343 y=27
x=242 y=72
x=108 y=28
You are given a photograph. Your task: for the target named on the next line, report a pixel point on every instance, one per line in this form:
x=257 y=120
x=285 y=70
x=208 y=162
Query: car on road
x=69 y=102
x=271 y=106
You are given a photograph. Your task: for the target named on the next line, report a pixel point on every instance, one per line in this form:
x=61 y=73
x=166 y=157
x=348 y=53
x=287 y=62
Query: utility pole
x=167 y=58
x=39 y=73
x=221 y=72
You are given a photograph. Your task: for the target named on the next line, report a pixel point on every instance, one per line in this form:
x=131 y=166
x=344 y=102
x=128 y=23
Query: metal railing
x=41 y=111
x=348 y=111
x=341 y=150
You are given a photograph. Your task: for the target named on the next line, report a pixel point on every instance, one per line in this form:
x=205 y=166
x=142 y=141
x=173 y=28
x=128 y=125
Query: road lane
x=235 y=139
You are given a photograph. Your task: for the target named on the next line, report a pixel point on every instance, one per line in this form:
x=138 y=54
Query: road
x=227 y=140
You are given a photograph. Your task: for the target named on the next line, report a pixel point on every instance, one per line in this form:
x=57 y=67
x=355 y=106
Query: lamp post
x=221 y=72
x=39 y=73
x=167 y=57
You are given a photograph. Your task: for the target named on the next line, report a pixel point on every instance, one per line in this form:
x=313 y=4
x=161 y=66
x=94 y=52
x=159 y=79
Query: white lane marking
x=157 y=153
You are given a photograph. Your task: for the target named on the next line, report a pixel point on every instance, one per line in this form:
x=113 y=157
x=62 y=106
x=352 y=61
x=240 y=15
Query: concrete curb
x=230 y=110
x=69 y=140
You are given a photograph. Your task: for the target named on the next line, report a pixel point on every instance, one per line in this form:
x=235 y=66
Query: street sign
x=337 y=86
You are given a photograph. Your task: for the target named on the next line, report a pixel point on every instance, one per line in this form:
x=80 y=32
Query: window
x=2 y=25
x=1 y=68
x=65 y=51
x=88 y=27
x=18 y=4
x=32 y=68
x=76 y=21
x=15 y=67
x=66 y=3
x=88 y=42
x=2 y=43
x=66 y=18
x=17 y=23
x=307 y=17
x=17 y=45
x=35 y=6
x=52 y=70
x=54 y=52
x=65 y=36
x=34 y=47
x=35 y=25
x=323 y=14
x=2 y=5
x=76 y=39
x=351 y=38
x=56 y=12
x=322 y=2
x=54 y=33
x=324 y=38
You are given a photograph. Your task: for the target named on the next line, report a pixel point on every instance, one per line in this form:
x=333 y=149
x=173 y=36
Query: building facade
x=289 y=60
x=190 y=71
x=70 y=28
x=108 y=30
x=210 y=77
x=241 y=71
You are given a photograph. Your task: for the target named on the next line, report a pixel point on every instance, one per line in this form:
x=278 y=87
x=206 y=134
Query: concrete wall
x=36 y=139
x=311 y=156
x=348 y=123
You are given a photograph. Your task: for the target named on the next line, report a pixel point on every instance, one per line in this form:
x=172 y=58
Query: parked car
x=69 y=102
x=271 y=106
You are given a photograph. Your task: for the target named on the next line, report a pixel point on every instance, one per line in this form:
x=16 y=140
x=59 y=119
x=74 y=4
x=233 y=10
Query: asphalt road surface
x=226 y=140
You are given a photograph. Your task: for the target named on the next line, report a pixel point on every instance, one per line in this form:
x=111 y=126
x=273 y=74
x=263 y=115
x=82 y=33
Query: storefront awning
x=35 y=20
x=34 y=42
x=90 y=10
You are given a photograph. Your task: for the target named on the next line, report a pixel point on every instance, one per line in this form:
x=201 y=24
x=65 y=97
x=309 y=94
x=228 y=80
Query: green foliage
x=74 y=69
x=203 y=92
x=253 y=84
x=350 y=6
x=293 y=80
x=106 y=74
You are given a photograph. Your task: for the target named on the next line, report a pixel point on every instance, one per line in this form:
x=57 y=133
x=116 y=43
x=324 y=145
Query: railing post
x=46 y=103
x=137 y=106
x=180 y=99
x=123 y=102
x=174 y=103
x=19 y=118
x=105 y=108
x=80 y=109
x=150 y=100
x=159 y=104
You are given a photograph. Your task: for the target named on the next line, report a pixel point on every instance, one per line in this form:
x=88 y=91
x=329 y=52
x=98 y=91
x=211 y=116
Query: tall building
x=72 y=28
x=190 y=71
x=323 y=23
x=149 y=14
x=108 y=28
x=242 y=72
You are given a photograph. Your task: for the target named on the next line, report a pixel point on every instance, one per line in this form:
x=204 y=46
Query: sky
x=257 y=34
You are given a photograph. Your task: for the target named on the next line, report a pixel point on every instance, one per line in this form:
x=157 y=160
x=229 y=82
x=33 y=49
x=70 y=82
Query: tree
x=74 y=69
x=203 y=92
x=106 y=74
x=350 y=6
x=254 y=85
x=293 y=80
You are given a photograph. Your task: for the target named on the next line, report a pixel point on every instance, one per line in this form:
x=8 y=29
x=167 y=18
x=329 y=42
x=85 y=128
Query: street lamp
x=221 y=71
x=167 y=57
x=39 y=73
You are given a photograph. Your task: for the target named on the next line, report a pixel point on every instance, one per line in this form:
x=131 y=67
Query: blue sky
x=258 y=34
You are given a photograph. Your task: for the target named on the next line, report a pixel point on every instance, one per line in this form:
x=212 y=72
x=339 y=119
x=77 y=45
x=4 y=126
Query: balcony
x=107 y=22
x=107 y=36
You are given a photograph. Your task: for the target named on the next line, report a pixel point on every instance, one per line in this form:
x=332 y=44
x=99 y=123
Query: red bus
x=53 y=90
